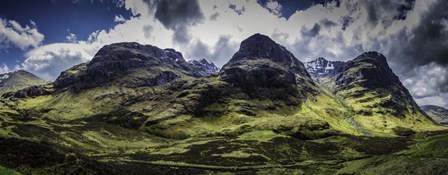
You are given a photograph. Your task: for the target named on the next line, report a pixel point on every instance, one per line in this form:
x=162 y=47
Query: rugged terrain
x=139 y=109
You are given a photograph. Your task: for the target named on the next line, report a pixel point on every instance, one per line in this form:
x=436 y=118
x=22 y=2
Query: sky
x=46 y=37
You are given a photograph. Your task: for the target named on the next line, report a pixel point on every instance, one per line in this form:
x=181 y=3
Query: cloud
x=23 y=37
x=314 y=31
x=428 y=41
x=221 y=51
x=428 y=83
x=4 y=69
x=274 y=7
x=119 y=18
x=49 y=61
x=72 y=38
x=178 y=15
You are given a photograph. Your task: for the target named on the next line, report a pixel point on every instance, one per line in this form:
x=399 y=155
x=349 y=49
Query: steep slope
x=437 y=113
x=17 y=80
x=379 y=100
x=266 y=70
x=262 y=88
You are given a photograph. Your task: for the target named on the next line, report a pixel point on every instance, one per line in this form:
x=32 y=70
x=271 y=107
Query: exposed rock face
x=32 y=91
x=131 y=65
x=368 y=70
x=259 y=47
x=371 y=73
x=69 y=77
x=437 y=113
x=265 y=69
x=17 y=80
x=322 y=67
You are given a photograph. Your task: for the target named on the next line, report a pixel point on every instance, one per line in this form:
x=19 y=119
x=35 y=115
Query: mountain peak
x=260 y=46
x=17 y=80
x=372 y=55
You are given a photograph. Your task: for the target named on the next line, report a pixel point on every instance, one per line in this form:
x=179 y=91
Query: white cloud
x=50 y=60
x=71 y=38
x=274 y=7
x=429 y=84
x=23 y=37
x=4 y=69
x=119 y=18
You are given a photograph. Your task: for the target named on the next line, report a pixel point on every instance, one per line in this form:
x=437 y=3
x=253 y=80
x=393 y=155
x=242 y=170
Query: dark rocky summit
x=263 y=68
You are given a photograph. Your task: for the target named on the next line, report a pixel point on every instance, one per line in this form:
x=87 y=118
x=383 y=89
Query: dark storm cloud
x=428 y=42
x=177 y=15
x=238 y=11
x=421 y=55
x=396 y=9
x=214 y=16
x=314 y=31
x=327 y=23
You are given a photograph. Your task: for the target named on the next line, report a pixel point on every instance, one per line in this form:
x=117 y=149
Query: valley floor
x=76 y=147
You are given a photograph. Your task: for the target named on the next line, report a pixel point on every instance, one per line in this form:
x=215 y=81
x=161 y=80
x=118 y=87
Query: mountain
x=437 y=113
x=17 y=80
x=131 y=65
x=203 y=65
x=321 y=67
x=139 y=109
x=379 y=100
x=265 y=69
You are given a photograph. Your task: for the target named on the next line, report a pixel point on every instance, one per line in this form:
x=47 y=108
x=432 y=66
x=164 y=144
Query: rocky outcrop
x=265 y=69
x=29 y=92
x=69 y=77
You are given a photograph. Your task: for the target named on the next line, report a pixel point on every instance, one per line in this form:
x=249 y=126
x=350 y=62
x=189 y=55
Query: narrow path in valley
x=225 y=168
x=417 y=144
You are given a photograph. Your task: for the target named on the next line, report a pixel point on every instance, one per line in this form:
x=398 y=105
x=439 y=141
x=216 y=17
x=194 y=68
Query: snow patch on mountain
x=322 y=67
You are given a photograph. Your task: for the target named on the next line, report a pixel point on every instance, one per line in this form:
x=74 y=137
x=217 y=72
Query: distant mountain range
x=437 y=113
x=17 y=80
